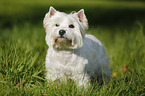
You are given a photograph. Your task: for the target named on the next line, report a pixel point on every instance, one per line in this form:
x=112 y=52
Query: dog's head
x=65 y=31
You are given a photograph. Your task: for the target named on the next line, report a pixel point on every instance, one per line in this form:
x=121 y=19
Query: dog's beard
x=63 y=43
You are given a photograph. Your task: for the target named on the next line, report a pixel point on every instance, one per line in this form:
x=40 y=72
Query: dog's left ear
x=51 y=12
x=82 y=17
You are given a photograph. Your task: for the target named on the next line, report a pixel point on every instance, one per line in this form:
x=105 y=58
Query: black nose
x=62 y=32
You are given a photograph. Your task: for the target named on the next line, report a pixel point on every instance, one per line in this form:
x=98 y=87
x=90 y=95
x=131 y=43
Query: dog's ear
x=82 y=18
x=51 y=12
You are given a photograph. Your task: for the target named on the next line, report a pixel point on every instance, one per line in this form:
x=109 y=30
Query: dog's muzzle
x=62 y=41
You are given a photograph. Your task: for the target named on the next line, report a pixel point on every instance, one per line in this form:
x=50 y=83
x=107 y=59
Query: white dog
x=71 y=53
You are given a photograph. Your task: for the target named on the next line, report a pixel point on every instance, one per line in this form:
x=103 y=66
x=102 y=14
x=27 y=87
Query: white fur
x=76 y=56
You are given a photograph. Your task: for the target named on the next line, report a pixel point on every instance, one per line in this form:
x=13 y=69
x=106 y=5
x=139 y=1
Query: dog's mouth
x=63 y=42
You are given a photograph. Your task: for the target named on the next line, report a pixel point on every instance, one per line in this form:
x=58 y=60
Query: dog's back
x=97 y=66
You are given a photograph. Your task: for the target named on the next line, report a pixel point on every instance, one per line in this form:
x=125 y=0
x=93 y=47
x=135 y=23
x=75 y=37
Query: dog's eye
x=57 y=25
x=71 y=26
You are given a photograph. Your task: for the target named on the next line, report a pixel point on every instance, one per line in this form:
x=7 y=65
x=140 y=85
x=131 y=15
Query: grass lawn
x=23 y=50
x=22 y=56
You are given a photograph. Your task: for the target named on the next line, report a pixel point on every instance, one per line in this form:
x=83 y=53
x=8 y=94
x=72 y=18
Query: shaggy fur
x=71 y=53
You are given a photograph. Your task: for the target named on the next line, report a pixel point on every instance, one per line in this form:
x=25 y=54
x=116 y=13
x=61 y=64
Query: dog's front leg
x=82 y=81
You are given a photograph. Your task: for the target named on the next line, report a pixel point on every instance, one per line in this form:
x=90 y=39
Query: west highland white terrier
x=72 y=54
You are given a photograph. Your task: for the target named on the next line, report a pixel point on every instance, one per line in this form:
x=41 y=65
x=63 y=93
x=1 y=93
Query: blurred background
x=99 y=12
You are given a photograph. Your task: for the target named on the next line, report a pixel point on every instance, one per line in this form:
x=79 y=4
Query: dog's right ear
x=51 y=12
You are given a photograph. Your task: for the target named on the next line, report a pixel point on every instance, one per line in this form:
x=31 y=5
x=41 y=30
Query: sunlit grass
x=22 y=62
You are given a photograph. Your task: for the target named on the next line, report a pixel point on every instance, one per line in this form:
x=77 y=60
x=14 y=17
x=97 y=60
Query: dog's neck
x=64 y=50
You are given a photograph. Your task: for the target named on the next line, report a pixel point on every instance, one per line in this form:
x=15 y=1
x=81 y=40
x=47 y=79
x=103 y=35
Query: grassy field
x=22 y=56
x=23 y=50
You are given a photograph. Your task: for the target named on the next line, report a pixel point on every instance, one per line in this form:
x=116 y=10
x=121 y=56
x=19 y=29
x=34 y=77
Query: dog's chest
x=66 y=62
x=67 y=58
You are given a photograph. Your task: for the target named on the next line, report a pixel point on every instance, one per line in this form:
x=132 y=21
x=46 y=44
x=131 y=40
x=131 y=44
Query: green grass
x=22 y=57
x=23 y=47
